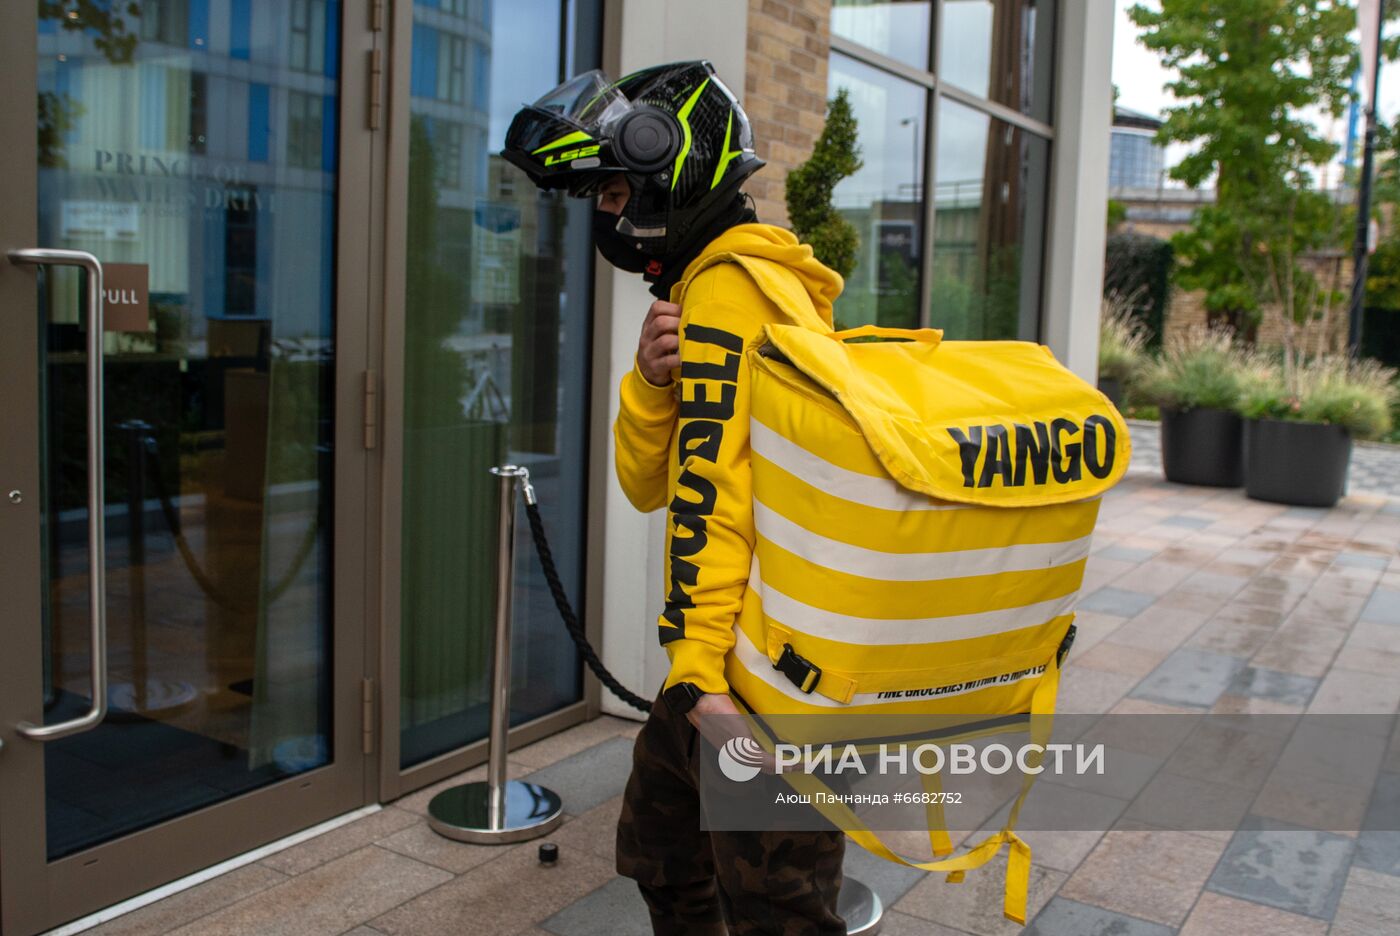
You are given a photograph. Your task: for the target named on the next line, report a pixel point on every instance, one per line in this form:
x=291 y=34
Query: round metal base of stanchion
x=461 y=813
x=860 y=907
x=163 y=697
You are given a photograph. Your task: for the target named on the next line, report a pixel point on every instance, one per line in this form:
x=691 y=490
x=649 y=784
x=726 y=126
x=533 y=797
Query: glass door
x=180 y=670
x=487 y=355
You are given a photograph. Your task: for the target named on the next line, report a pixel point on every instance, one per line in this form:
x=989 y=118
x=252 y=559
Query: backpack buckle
x=1065 y=644
x=803 y=672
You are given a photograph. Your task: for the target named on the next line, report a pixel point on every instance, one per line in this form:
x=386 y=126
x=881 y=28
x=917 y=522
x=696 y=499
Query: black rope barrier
x=207 y=585
x=566 y=611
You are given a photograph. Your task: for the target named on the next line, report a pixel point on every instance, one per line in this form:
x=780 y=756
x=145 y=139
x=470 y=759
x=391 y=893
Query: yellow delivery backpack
x=922 y=515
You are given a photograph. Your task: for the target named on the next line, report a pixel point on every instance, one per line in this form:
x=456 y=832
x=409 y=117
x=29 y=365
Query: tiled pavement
x=1195 y=600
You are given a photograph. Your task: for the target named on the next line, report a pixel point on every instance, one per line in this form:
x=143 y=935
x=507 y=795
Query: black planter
x=1112 y=388
x=1203 y=446
x=1299 y=463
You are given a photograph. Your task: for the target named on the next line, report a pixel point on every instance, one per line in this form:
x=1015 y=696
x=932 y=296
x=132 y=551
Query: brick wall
x=1186 y=308
x=785 y=91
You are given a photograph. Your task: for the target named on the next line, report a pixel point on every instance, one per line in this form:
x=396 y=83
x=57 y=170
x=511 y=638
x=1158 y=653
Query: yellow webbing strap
x=938 y=838
x=1018 y=868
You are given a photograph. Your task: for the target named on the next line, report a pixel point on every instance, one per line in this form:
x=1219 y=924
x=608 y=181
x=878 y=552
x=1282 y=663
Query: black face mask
x=614 y=246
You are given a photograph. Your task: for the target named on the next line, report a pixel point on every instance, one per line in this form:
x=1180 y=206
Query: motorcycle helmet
x=676 y=131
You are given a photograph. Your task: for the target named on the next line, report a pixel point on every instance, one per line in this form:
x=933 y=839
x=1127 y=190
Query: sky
x=1140 y=77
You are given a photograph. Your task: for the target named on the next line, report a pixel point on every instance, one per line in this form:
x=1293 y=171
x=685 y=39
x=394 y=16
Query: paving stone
x=1064 y=917
x=975 y=905
x=1383 y=607
x=894 y=923
x=1091 y=692
x=589 y=777
x=328 y=899
x=578 y=738
x=1332 y=805
x=1191 y=523
x=594 y=832
x=616 y=908
x=1151 y=875
x=1122 y=658
x=1162 y=628
x=1127 y=554
x=421 y=843
x=341 y=840
x=1298 y=871
x=1261 y=683
x=198 y=901
x=1378 y=845
x=888 y=880
x=1211 y=583
x=505 y=895
x=1190 y=677
x=1187 y=804
x=1370 y=905
x=1224 y=751
x=1216 y=914
x=1117 y=601
x=1361 y=560
x=1347 y=692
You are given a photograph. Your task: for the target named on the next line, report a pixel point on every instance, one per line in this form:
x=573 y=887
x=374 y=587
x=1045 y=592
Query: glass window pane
x=495 y=365
x=897 y=28
x=1000 y=50
x=988 y=226
x=155 y=157
x=883 y=199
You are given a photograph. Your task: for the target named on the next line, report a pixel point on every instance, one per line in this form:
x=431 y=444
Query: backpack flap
x=992 y=423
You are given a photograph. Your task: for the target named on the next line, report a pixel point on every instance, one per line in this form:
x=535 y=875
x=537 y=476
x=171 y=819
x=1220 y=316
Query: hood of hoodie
x=782 y=268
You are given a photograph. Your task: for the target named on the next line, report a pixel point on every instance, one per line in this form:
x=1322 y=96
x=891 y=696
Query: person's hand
x=717 y=730
x=658 y=350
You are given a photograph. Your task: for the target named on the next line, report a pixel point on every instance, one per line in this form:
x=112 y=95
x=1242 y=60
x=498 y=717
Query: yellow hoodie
x=686 y=445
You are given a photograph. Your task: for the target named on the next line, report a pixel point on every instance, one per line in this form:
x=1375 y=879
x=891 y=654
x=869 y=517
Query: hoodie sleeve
x=709 y=522
x=642 y=439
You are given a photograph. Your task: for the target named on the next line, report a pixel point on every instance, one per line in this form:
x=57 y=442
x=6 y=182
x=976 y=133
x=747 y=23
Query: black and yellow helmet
x=676 y=131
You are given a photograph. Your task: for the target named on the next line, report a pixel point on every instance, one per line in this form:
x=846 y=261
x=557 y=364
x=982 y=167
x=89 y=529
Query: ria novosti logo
x=741 y=759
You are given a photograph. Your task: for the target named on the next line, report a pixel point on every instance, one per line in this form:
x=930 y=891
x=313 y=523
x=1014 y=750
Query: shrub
x=1357 y=395
x=1122 y=339
x=815 y=221
x=1140 y=267
x=1201 y=368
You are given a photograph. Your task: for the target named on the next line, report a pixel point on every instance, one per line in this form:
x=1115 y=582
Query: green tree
x=835 y=156
x=1246 y=72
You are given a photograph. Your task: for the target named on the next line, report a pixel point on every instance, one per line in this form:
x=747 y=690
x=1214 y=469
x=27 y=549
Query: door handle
x=97 y=542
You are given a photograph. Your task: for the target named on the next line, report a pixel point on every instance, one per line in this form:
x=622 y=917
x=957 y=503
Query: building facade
x=1136 y=160
x=329 y=307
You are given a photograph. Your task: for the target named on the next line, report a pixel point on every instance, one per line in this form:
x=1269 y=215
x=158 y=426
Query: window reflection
x=1000 y=50
x=897 y=28
x=884 y=199
x=988 y=226
x=495 y=370
x=191 y=148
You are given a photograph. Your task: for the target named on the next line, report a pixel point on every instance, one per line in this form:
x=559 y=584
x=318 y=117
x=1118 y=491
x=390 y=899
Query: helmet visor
x=590 y=100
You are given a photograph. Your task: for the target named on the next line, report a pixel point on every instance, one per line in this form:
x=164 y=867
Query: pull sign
x=126 y=297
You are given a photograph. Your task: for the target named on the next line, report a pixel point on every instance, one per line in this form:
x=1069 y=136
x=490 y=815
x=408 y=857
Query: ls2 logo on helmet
x=740 y=759
x=553 y=159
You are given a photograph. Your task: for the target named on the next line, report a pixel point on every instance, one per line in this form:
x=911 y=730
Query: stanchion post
x=500 y=649
x=499 y=811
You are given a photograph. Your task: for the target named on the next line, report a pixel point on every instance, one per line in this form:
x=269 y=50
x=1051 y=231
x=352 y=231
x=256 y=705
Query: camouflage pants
x=698 y=883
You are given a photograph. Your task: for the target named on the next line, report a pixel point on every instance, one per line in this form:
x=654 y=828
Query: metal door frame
x=34 y=893
x=395 y=781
